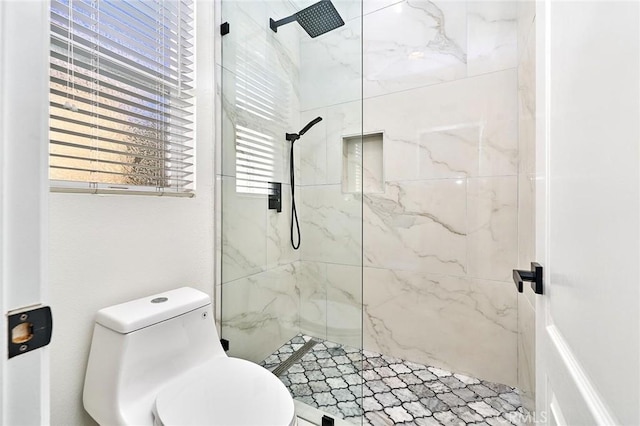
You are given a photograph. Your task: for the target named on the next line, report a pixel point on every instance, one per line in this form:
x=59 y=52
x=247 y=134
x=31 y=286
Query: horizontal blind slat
x=149 y=107
x=145 y=23
x=114 y=173
x=121 y=88
x=132 y=38
x=180 y=96
x=58 y=142
x=122 y=111
x=115 y=61
x=178 y=134
x=57 y=120
x=161 y=169
x=108 y=47
x=56 y=131
x=111 y=14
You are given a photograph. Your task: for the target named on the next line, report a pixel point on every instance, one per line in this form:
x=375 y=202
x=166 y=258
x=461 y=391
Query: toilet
x=158 y=361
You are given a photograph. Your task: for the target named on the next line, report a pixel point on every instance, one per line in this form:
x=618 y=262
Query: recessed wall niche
x=362 y=166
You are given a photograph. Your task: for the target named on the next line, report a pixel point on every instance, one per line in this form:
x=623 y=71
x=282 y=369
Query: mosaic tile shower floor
x=395 y=392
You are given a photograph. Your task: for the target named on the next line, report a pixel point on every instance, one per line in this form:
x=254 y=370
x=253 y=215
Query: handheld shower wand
x=292 y=137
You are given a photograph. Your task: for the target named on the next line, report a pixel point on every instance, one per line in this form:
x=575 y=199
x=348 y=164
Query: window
x=121 y=95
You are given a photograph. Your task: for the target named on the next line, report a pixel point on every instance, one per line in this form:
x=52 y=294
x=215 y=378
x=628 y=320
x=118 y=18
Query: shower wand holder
x=291 y=137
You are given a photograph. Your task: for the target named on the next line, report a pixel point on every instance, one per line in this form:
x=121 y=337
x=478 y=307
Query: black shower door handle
x=535 y=276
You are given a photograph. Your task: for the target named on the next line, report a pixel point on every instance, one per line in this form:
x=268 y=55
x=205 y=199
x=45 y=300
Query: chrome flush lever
x=534 y=276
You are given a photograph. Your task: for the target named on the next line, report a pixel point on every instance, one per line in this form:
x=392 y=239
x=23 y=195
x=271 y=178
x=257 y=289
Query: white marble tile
x=526 y=353
x=279 y=249
x=370 y=6
x=449 y=152
x=363 y=165
x=321 y=150
x=526 y=95
x=260 y=77
x=429 y=132
x=526 y=226
x=492 y=233
x=492 y=36
x=312 y=283
x=244 y=232
x=526 y=141
x=344 y=304
x=459 y=324
x=331 y=67
x=412 y=44
x=218 y=120
x=499 y=146
x=226 y=161
x=343 y=120
x=251 y=39
x=313 y=149
x=218 y=249
x=526 y=25
x=254 y=118
x=331 y=301
x=417 y=226
x=260 y=312
x=331 y=225
x=526 y=137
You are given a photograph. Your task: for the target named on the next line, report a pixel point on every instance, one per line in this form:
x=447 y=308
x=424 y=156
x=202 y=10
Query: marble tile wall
x=331 y=301
x=526 y=197
x=260 y=311
x=445 y=84
x=330 y=219
x=441 y=85
x=259 y=97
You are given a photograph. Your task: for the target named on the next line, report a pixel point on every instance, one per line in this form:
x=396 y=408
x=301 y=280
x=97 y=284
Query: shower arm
x=275 y=24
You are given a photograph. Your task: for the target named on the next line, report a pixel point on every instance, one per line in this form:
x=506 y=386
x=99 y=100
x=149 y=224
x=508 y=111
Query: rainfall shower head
x=316 y=19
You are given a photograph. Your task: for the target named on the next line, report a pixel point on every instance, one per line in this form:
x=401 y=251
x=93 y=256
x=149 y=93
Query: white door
x=24 y=43
x=588 y=139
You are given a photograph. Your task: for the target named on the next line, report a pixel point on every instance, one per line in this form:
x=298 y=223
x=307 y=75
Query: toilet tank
x=140 y=346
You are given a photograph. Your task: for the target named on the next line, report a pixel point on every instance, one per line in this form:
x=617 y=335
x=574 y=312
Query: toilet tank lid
x=140 y=313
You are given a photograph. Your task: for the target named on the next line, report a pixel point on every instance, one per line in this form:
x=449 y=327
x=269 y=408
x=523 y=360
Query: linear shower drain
x=295 y=357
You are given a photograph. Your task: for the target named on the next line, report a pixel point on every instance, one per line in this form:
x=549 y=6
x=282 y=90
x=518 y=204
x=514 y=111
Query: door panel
x=589 y=215
x=24 y=399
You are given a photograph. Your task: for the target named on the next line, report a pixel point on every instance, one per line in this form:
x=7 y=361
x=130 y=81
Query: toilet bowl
x=158 y=361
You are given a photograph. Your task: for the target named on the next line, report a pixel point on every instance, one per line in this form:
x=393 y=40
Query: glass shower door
x=298 y=312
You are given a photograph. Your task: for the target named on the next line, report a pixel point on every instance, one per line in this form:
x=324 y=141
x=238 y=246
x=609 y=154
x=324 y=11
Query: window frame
x=182 y=190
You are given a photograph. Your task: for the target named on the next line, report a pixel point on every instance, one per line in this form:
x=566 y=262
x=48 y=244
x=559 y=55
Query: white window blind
x=121 y=95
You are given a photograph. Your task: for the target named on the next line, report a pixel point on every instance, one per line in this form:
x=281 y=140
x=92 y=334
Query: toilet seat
x=225 y=392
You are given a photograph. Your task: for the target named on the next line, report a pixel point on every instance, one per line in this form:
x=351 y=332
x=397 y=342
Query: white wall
x=110 y=249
